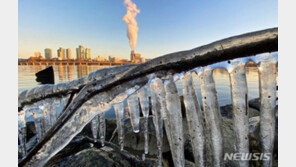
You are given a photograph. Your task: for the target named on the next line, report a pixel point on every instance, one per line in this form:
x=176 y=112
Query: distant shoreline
x=73 y=62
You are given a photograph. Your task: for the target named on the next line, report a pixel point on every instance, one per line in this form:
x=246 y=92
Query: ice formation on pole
x=144 y=102
x=239 y=96
x=94 y=128
x=160 y=93
x=134 y=111
x=267 y=87
x=212 y=114
x=102 y=128
x=174 y=115
x=64 y=135
x=194 y=118
x=157 y=120
x=119 y=111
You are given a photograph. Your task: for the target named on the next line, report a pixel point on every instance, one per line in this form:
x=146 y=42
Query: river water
x=26 y=79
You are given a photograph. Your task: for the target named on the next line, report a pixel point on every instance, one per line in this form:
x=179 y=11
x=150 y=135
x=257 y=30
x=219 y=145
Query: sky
x=165 y=26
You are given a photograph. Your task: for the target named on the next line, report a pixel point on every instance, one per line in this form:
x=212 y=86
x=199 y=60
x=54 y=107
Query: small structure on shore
x=45 y=76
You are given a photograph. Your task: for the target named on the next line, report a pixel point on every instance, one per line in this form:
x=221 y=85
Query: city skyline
x=82 y=54
x=163 y=28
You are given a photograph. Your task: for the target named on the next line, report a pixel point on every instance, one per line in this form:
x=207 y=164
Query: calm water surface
x=26 y=79
x=26 y=74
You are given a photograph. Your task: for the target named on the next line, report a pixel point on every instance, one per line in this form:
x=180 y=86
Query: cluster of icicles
x=166 y=111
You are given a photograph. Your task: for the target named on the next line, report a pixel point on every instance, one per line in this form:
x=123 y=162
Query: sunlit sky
x=165 y=26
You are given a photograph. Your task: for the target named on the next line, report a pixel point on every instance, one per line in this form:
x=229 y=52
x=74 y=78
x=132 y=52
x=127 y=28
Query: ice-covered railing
x=76 y=106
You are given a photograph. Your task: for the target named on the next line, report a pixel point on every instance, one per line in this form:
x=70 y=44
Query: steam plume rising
x=130 y=21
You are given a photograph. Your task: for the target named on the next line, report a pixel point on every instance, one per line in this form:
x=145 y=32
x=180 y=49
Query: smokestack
x=130 y=21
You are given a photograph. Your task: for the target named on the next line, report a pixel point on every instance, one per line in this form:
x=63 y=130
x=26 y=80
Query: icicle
x=267 y=86
x=38 y=121
x=175 y=121
x=212 y=115
x=134 y=111
x=158 y=122
x=102 y=128
x=195 y=120
x=239 y=94
x=160 y=93
x=22 y=132
x=94 y=128
x=118 y=99
x=66 y=133
x=119 y=111
x=144 y=102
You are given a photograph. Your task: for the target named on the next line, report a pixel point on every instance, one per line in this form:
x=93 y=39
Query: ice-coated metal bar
x=144 y=103
x=239 y=96
x=194 y=118
x=134 y=111
x=119 y=111
x=157 y=120
x=212 y=115
x=267 y=88
x=174 y=115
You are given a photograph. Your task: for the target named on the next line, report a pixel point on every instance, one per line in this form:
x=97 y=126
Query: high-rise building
x=87 y=54
x=135 y=57
x=80 y=52
x=48 y=53
x=77 y=54
x=61 y=54
x=68 y=53
x=37 y=54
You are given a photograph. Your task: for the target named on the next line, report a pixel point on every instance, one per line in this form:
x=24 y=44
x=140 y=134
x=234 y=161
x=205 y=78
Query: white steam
x=130 y=21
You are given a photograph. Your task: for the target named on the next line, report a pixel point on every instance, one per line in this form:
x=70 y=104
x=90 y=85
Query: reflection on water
x=70 y=72
x=62 y=73
x=26 y=79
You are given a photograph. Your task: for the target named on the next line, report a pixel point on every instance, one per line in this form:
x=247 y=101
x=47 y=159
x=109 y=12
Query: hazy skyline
x=165 y=26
